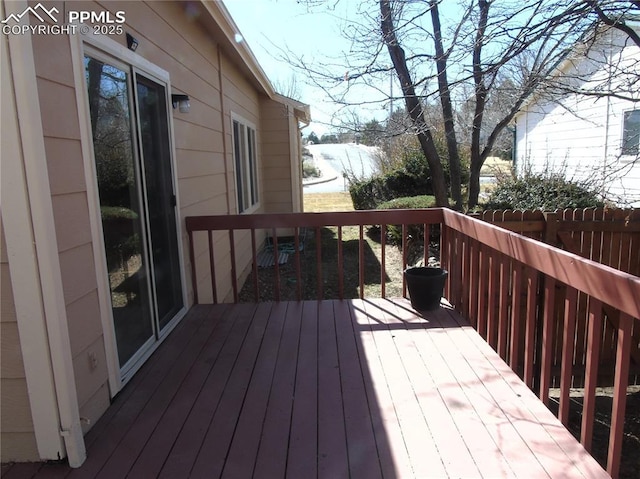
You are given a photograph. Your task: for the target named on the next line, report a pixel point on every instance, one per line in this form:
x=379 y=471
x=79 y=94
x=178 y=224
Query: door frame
x=104 y=46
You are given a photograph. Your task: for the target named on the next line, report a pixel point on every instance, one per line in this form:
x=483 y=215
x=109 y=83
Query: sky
x=271 y=27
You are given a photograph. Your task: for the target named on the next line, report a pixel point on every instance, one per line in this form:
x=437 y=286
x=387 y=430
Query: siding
x=277 y=157
x=56 y=92
x=17 y=439
x=174 y=40
x=581 y=136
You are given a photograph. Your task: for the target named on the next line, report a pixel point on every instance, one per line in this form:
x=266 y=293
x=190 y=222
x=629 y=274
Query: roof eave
x=240 y=50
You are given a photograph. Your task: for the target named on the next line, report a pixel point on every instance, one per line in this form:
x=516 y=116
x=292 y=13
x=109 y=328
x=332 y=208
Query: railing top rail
x=609 y=285
x=292 y=220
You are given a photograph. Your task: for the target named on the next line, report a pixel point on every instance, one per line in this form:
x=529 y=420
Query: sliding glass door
x=132 y=150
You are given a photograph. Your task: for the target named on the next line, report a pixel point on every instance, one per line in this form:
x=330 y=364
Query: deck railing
x=509 y=285
x=229 y=233
x=530 y=301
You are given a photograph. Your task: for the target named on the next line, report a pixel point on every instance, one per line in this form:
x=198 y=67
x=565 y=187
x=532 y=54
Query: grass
x=321 y=202
x=329 y=271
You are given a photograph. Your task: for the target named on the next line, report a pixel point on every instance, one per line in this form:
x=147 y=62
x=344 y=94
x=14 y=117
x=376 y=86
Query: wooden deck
x=332 y=389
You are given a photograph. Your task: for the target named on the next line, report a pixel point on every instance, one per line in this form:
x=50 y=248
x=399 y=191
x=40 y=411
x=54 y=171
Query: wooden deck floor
x=360 y=389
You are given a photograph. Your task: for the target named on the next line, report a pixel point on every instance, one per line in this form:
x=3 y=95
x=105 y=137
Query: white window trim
x=623 y=155
x=108 y=47
x=249 y=124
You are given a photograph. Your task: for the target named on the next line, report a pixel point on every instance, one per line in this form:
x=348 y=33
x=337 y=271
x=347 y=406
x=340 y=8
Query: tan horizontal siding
x=17 y=442
x=71 y=214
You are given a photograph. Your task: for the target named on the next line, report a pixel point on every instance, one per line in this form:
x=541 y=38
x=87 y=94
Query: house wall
x=279 y=127
x=580 y=136
x=56 y=93
x=199 y=67
x=17 y=438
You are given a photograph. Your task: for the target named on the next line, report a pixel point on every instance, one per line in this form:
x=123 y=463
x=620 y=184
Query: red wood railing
x=516 y=284
x=530 y=301
x=260 y=226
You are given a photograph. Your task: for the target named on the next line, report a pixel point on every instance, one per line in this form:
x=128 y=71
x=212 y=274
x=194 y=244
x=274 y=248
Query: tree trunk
x=474 y=181
x=414 y=107
x=481 y=101
x=447 y=109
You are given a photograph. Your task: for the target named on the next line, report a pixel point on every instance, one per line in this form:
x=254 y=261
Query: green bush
x=412 y=178
x=415 y=233
x=538 y=191
x=370 y=193
x=409 y=202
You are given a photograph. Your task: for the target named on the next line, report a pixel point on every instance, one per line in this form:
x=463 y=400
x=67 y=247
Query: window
x=631 y=133
x=244 y=155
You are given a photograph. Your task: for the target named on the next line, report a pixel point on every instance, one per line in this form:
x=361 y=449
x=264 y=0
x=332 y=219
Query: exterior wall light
x=181 y=102
x=132 y=43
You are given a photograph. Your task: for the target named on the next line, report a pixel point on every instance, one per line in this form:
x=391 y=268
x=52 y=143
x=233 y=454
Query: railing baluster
x=194 y=279
x=474 y=278
x=483 y=287
x=445 y=257
x=404 y=259
x=361 y=260
x=212 y=265
x=425 y=245
x=276 y=266
x=465 y=243
x=547 y=338
x=594 y=343
x=340 y=265
x=455 y=268
x=503 y=316
x=530 y=326
x=234 y=276
x=254 y=262
x=319 y=262
x=296 y=242
x=620 y=383
x=516 y=303
x=566 y=366
x=492 y=317
x=383 y=260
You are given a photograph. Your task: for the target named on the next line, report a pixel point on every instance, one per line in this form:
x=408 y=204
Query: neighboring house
x=101 y=163
x=595 y=136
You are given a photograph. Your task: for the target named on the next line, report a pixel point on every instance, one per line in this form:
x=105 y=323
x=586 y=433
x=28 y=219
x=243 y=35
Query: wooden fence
x=608 y=236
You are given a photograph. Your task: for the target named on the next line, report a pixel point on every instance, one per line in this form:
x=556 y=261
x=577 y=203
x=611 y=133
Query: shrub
x=409 y=202
x=538 y=191
x=406 y=173
x=370 y=193
x=415 y=233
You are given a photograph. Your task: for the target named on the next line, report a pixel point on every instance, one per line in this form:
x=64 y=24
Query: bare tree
x=480 y=54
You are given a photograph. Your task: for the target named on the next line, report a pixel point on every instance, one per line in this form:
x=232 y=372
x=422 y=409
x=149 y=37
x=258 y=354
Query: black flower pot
x=425 y=287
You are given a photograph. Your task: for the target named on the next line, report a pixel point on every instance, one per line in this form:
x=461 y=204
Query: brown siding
x=17 y=439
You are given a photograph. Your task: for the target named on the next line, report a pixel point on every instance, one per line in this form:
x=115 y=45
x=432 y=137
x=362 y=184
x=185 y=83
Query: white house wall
x=580 y=136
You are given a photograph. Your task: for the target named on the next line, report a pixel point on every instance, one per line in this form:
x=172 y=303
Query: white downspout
x=37 y=204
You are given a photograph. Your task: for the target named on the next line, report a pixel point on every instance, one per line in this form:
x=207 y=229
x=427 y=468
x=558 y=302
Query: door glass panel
x=120 y=205
x=156 y=158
